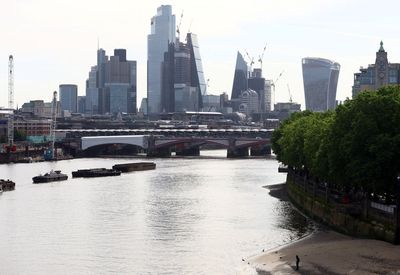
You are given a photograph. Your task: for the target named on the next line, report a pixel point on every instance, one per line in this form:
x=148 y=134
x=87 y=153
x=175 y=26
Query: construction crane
x=290 y=94
x=178 y=28
x=261 y=57
x=10 y=124
x=50 y=152
x=251 y=59
x=273 y=85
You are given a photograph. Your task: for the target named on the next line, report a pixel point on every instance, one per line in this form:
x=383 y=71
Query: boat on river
x=134 y=166
x=49 y=177
x=95 y=172
x=7 y=185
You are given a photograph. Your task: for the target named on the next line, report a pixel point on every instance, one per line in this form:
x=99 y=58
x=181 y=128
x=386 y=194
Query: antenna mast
x=10 y=131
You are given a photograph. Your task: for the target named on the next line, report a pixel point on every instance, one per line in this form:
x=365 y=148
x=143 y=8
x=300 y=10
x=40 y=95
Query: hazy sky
x=55 y=41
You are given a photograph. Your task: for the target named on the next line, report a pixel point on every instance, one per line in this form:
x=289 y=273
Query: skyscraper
x=183 y=81
x=240 y=78
x=320 y=78
x=113 y=82
x=162 y=34
x=377 y=75
x=69 y=97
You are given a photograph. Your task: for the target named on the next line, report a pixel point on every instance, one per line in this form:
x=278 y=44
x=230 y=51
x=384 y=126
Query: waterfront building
x=376 y=75
x=158 y=41
x=40 y=109
x=68 y=97
x=320 y=78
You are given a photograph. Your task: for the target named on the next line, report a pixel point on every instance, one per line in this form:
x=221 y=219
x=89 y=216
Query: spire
x=381 y=49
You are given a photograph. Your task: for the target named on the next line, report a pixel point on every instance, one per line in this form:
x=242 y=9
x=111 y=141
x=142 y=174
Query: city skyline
x=51 y=47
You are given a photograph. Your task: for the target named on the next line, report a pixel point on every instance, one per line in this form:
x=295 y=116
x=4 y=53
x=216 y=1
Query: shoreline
x=325 y=251
x=329 y=252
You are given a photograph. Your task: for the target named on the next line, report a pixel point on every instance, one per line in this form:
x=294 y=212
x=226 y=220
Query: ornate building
x=376 y=75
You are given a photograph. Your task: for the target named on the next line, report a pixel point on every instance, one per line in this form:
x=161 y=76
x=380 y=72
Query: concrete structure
x=40 y=109
x=320 y=78
x=69 y=97
x=376 y=75
x=162 y=34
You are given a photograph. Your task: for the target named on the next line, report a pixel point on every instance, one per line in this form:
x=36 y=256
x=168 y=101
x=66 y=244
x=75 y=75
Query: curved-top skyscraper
x=320 y=78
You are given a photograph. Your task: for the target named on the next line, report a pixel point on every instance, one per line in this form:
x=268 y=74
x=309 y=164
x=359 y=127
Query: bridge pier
x=238 y=152
x=260 y=151
x=193 y=151
x=164 y=152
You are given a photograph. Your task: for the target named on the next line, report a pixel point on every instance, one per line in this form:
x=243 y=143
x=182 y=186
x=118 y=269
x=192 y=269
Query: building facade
x=240 y=77
x=40 y=109
x=320 y=78
x=111 y=86
x=162 y=34
x=69 y=97
x=376 y=75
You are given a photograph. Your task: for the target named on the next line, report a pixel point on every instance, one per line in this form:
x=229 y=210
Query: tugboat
x=134 y=166
x=7 y=185
x=95 y=172
x=51 y=176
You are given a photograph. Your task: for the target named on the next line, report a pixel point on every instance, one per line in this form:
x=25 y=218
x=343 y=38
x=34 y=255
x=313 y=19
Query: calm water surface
x=189 y=216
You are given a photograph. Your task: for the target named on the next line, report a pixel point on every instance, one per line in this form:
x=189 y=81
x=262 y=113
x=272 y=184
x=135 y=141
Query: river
x=189 y=216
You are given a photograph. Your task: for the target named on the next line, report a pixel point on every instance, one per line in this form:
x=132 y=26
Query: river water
x=189 y=216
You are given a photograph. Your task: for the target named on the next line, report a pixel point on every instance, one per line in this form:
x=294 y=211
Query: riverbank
x=328 y=252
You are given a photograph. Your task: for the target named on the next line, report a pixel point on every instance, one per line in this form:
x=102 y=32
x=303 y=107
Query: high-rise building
x=240 y=78
x=162 y=34
x=113 y=83
x=92 y=93
x=183 y=83
x=69 y=97
x=263 y=88
x=320 y=78
x=377 y=75
x=81 y=104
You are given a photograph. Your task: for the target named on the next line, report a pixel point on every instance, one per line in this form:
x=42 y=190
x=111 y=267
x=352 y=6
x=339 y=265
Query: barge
x=49 y=177
x=95 y=172
x=134 y=166
x=7 y=185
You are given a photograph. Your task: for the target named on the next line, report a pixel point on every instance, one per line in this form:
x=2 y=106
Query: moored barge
x=95 y=172
x=134 y=166
x=7 y=185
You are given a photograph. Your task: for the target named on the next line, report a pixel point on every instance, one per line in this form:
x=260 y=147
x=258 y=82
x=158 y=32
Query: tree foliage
x=356 y=146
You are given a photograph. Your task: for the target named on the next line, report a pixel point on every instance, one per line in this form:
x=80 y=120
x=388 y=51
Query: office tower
x=111 y=87
x=183 y=84
x=376 y=75
x=92 y=93
x=240 y=78
x=68 y=97
x=263 y=88
x=162 y=34
x=81 y=104
x=249 y=102
x=320 y=78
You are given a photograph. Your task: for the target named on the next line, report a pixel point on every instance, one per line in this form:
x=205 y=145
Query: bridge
x=184 y=142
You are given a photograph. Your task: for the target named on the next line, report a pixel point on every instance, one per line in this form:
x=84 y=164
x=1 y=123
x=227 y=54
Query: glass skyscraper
x=162 y=34
x=320 y=78
x=69 y=97
x=240 y=78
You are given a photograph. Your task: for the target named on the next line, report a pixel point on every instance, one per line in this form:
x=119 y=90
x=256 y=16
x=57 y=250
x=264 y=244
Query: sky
x=55 y=41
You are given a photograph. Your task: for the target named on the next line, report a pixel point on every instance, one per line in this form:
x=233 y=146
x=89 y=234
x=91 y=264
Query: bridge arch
x=88 y=142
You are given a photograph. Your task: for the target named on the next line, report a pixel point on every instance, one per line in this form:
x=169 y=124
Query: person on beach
x=297 y=262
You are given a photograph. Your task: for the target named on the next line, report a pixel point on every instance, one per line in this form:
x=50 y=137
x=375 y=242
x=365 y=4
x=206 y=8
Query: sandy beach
x=327 y=252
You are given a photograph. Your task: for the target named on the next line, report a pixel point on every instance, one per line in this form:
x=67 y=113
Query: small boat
x=51 y=176
x=7 y=185
x=95 y=172
x=283 y=168
x=134 y=166
x=1 y=189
